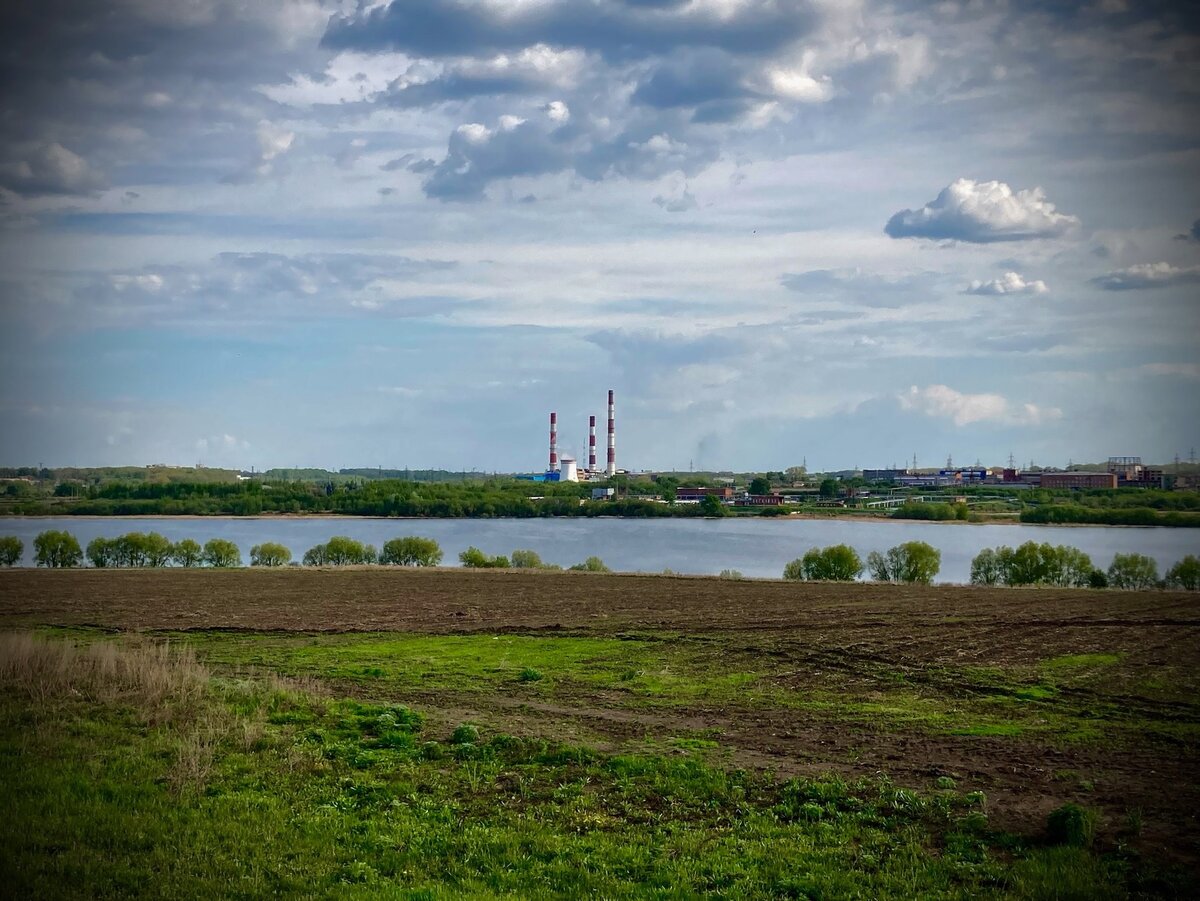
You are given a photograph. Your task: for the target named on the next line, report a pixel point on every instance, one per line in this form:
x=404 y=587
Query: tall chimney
x=591 y=444
x=554 y=442
x=612 y=436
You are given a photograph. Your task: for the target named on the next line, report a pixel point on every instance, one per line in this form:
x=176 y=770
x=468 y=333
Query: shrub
x=529 y=675
x=270 y=553
x=730 y=574
x=411 y=551
x=913 y=561
x=221 y=553
x=466 y=734
x=474 y=558
x=836 y=563
x=1072 y=825
x=522 y=559
x=57 y=550
x=11 y=549
x=591 y=565
x=1133 y=571
x=187 y=552
x=1185 y=574
x=1097 y=579
x=711 y=505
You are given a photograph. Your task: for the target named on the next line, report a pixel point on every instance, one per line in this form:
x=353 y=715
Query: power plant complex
x=565 y=469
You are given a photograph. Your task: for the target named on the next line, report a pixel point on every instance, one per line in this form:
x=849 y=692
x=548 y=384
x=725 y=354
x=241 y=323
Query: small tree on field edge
x=913 y=561
x=11 y=549
x=270 y=553
x=411 y=551
x=1135 y=572
x=1185 y=574
x=221 y=553
x=57 y=550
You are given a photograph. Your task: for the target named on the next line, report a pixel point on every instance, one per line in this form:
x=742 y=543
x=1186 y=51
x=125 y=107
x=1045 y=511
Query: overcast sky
x=337 y=234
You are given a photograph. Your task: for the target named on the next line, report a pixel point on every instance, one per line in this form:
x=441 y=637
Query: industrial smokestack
x=554 y=442
x=591 y=444
x=612 y=436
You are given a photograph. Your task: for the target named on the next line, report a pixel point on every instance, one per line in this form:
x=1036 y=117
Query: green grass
x=255 y=789
x=1080 y=661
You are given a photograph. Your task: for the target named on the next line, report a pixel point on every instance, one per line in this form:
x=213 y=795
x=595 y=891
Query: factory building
x=698 y=494
x=565 y=469
x=1079 y=480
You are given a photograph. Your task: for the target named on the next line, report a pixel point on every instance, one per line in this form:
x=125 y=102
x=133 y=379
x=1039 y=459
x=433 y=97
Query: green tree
x=187 y=552
x=102 y=552
x=988 y=567
x=11 y=549
x=760 y=485
x=829 y=488
x=157 y=549
x=221 y=553
x=710 y=505
x=1135 y=572
x=913 y=561
x=270 y=553
x=836 y=563
x=1185 y=574
x=57 y=550
x=591 y=565
x=796 y=473
x=411 y=551
x=525 y=559
x=340 y=550
x=129 y=549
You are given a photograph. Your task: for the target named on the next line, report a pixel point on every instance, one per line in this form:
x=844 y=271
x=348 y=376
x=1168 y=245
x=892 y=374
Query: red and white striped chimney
x=554 y=442
x=612 y=436
x=591 y=444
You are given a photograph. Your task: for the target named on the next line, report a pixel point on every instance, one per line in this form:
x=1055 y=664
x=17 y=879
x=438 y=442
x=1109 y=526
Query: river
x=753 y=546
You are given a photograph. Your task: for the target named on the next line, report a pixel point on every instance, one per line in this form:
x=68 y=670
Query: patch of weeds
x=990 y=729
x=1079 y=661
x=530 y=675
x=465 y=734
x=1072 y=826
x=693 y=744
x=945 y=783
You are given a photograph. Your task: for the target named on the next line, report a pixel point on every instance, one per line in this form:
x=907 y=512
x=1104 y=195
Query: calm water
x=756 y=547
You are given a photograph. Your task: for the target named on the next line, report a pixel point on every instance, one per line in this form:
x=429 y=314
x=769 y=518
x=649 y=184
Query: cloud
x=1009 y=283
x=48 y=169
x=981 y=213
x=437 y=28
x=1180 y=370
x=1147 y=275
x=943 y=402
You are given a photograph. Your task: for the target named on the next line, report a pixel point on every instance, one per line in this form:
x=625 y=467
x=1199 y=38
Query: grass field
x=488 y=734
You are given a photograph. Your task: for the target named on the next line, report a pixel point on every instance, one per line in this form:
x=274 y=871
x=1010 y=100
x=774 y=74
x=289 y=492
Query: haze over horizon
x=335 y=234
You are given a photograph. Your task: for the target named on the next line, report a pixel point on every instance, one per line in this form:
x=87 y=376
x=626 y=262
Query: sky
x=340 y=234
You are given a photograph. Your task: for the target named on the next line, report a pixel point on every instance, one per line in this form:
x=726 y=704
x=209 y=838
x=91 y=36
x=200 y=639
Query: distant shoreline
x=832 y=517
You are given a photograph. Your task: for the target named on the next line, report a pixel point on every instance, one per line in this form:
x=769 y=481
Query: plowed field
x=1036 y=697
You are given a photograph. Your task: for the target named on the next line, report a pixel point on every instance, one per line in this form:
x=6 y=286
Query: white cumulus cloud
x=943 y=402
x=1009 y=283
x=982 y=212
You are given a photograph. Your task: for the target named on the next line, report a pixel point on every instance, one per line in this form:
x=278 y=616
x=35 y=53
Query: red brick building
x=1079 y=480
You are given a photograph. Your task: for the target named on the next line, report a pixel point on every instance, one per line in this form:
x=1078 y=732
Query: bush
x=270 y=553
x=836 y=563
x=913 y=561
x=1185 y=574
x=187 y=552
x=474 y=558
x=1072 y=825
x=711 y=505
x=529 y=675
x=11 y=549
x=526 y=560
x=339 y=550
x=57 y=550
x=1133 y=571
x=411 y=551
x=466 y=734
x=591 y=565
x=221 y=553
x=730 y=574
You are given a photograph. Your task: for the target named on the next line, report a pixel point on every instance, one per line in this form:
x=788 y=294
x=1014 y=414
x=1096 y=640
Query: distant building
x=884 y=475
x=602 y=494
x=762 y=500
x=1079 y=480
x=724 y=493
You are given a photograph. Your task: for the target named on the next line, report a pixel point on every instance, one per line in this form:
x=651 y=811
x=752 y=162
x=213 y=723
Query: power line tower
x=949 y=461
x=1012 y=461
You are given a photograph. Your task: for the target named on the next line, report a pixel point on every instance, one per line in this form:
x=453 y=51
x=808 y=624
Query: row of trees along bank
x=914 y=562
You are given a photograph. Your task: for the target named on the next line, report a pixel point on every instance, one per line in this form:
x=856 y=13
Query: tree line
x=1029 y=564
x=914 y=562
